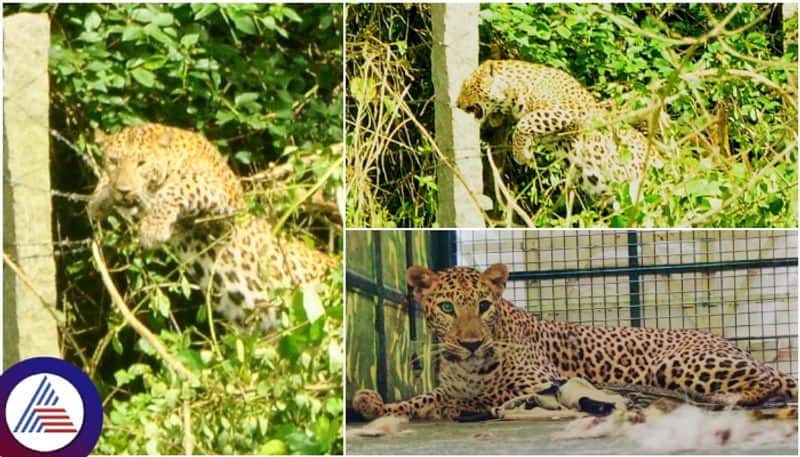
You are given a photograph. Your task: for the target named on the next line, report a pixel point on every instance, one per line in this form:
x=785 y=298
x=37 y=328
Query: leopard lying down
x=493 y=351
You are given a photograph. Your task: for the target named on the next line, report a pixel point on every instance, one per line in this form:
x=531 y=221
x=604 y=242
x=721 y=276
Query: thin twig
x=504 y=190
x=337 y=165
x=137 y=326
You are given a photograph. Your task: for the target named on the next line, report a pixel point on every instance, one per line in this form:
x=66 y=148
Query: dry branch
x=137 y=325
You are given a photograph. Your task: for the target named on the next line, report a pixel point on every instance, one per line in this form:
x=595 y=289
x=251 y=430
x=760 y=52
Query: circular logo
x=50 y=408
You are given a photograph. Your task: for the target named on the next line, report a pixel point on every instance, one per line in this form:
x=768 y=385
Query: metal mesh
x=738 y=284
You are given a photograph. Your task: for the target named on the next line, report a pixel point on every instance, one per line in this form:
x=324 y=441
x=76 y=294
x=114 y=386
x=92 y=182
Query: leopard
x=553 y=113
x=183 y=196
x=490 y=351
x=166 y=174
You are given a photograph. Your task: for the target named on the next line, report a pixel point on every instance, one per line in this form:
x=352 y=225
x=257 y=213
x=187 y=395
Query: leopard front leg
x=543 y=126
x=182 y=200
x=432 y=405
x=156 y=226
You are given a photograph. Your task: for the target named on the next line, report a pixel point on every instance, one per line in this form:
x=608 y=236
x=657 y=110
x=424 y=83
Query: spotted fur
x=491 y=351
x=554 y=113
x=181 y=190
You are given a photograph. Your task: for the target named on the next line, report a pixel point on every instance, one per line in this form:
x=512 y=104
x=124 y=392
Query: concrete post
x=29 y=329
x=454 y=57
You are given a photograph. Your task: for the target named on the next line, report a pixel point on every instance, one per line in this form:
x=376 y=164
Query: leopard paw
x=153 y=234
x=521 y=148
x=368 y=403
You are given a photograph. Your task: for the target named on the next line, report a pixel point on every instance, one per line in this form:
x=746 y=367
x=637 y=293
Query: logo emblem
x=50 y=408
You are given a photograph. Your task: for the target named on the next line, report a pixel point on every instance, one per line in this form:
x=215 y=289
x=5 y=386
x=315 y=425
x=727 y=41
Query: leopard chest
x=512 y=374
x=468 y=379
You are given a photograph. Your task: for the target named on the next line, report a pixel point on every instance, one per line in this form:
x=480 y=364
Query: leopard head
x=135 y=166
x=483 y=93
x=460 y=306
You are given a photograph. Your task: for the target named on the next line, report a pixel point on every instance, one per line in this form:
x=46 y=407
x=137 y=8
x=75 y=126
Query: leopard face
x=134 y=169
x=460 y=309
x=475 y=98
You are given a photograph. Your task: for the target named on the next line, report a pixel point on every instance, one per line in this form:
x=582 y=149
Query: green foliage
x=263 y=82
x=220 y=69
x=720 y=103
x=728 y=144
x=279 y=393
x=391 y=160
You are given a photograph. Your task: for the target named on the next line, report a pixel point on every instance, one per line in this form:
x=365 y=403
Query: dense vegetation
x=263 y=82
x=716 y=85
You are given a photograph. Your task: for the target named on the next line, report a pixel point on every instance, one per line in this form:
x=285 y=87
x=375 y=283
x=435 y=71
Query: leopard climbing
x=183 y=194
x=491 y=351
x=554 y=113
x=167 y=175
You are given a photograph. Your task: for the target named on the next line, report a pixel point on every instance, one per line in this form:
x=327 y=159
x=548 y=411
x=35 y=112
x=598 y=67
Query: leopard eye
x=484 y=305
x=447 y=307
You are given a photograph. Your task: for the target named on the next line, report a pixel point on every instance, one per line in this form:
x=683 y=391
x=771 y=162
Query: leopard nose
x=471 y=345
x=123 y=193
x=125 y=196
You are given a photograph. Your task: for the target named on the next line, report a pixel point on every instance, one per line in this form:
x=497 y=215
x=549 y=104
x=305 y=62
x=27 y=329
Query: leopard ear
x=419 y=277
x=498 y=275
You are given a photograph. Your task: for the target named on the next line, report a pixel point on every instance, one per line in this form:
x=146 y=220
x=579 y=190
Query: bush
x=728 y=134
x=721 y=104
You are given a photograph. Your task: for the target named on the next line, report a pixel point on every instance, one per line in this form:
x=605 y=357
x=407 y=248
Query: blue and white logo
x=44 y=412
x=50 y=408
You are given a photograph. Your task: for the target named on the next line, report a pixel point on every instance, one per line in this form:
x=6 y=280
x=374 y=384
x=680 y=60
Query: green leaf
x=142 y=15
x=189 y=39
x=702 y=187
x=289 y=347
x=162 y=19
x=274 y=447
x=203 y=9
x=92 y=21
x=363 y=90
x=240 y=350
x=161 y=303
x=157 y=34
x=116 y=344
x=132 y=32
x=246 y=97
x=291 y=14
x=90 y=37
x=144 y=77
x=122 y=377
x=311 y=304
x=244 y=24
